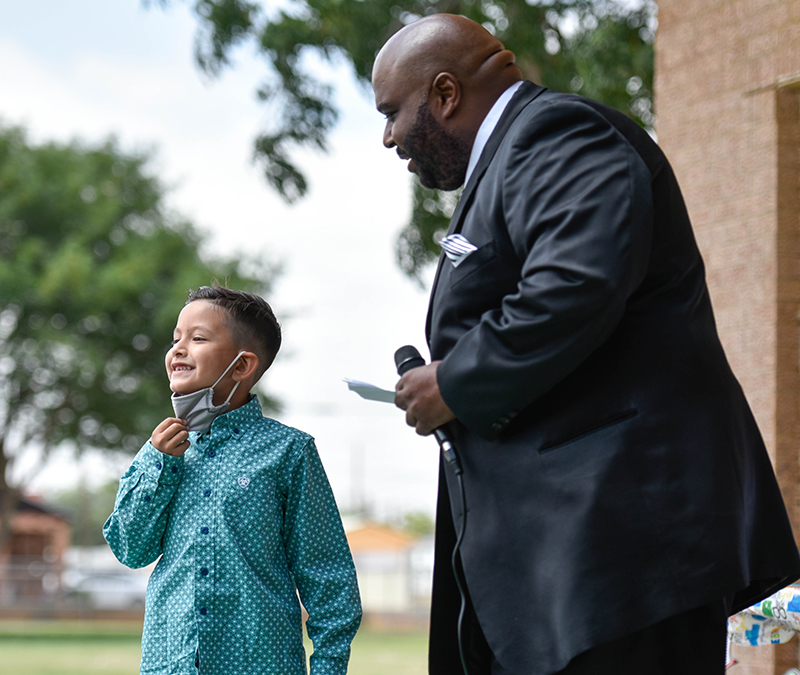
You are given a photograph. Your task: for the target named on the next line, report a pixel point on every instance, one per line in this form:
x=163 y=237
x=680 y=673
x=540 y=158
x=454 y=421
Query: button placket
x=203 y=579
x=204 y=576
x=205 y=554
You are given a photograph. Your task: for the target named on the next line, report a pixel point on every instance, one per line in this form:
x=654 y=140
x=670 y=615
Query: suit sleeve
x=577 y=206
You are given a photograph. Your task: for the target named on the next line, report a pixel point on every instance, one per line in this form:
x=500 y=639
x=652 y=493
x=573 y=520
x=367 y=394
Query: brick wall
x=727 y=78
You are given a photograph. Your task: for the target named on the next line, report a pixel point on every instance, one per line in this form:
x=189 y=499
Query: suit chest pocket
x=484 y=257
x=477 y=285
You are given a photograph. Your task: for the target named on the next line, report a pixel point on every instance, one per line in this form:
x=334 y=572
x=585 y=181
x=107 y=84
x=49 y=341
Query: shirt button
x=158 y=465
x=236 y=431
x=203 y=611
x=207 y=492
x=211 y=453
x=147 y=498
x=204 y=530
x=204 y=571
x=174 y=469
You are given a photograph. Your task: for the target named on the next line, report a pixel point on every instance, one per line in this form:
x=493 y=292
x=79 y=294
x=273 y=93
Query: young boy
x=239 y=510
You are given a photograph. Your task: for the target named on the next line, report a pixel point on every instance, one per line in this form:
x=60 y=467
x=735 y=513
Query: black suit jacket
x=613 y=471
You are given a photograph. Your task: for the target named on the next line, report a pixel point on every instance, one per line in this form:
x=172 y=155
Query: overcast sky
x=92 y=68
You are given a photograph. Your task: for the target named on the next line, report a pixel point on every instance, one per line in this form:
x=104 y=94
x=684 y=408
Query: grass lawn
x=112 y=648
x=389 y=654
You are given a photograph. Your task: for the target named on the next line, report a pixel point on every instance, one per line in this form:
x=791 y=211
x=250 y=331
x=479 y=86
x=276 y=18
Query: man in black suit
x=619 y=500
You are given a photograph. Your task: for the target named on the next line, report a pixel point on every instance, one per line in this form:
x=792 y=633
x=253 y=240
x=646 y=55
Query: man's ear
x=246 y=365
x=446 y=94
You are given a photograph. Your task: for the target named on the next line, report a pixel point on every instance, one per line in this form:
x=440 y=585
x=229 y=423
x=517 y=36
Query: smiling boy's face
x=202 y=349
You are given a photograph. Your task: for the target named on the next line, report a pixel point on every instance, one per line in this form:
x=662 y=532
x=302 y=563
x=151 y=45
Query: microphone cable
x=405 y=359
x=455 y=559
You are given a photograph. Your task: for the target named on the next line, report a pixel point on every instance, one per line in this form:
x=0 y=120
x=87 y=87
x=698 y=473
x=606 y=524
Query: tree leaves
x=598 y=48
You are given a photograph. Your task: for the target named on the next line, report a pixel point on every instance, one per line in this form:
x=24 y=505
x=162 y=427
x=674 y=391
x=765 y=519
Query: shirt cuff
x=322 y=665
x=159 y=466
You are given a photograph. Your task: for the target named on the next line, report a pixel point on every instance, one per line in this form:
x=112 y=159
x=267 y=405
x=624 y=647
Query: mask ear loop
x=235 y=386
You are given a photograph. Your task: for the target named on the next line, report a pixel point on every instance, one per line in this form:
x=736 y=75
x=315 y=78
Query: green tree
x=87 y=509
x=418 y=523
x=600 y=48
x=92 y=273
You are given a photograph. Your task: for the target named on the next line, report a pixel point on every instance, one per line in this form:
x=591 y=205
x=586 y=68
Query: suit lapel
x=524 y=95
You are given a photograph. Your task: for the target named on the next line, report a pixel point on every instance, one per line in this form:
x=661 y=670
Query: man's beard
x=441 y=158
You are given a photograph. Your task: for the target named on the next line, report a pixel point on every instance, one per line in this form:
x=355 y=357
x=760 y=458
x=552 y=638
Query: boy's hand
x=171 y=437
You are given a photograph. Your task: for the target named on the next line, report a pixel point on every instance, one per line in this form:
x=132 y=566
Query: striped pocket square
x=457 y=247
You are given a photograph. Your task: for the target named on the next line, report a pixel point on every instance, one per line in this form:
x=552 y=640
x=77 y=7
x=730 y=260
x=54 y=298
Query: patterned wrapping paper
x=771 y=621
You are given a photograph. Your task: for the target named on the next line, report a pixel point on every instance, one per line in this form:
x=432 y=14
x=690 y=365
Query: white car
x=110 y=591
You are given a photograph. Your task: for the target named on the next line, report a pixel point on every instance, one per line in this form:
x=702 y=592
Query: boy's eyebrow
x=193 y=328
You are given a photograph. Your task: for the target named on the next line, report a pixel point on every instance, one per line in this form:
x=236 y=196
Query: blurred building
x=394 y=569
x=728 y=116
x=31 y=560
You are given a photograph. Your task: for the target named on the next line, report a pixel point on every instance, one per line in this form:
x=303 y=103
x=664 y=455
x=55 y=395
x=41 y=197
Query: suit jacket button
x=497 y=427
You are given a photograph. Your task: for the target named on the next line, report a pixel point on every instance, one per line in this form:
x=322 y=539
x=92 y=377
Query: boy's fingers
x=171 y=434
x=180 y=437
x=169 y=422
x=177 y=436
x=177 y=427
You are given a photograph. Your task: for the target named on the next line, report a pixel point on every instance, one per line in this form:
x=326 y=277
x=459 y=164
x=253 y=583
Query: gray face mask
x=197 y=409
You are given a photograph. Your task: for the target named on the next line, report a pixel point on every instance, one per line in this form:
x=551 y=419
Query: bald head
x=447 y=43
x=435 y=81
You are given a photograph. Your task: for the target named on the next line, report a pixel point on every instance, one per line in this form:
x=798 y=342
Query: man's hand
x=171 y=437
x=418 y=394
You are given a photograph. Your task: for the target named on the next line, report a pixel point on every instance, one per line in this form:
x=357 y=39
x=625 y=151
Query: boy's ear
x=245 y=366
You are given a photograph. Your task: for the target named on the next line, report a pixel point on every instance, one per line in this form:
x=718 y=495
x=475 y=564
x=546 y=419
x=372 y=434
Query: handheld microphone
x=405 y=359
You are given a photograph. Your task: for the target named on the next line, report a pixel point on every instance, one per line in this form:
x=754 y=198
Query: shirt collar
x=487 y=127
x=240 y=420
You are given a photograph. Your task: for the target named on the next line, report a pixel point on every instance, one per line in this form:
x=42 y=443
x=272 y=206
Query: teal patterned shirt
x=242 y=523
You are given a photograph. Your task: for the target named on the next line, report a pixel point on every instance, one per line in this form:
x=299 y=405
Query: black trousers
x=692 y=643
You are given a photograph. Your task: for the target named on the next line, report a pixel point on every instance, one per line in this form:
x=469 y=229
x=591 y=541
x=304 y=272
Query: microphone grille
x=406 y=358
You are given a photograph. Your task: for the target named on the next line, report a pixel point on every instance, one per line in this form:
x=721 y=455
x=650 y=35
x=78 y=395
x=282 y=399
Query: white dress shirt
x=487 y=127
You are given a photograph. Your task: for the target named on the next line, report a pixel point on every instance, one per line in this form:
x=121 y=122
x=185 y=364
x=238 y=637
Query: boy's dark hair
x=252 y=322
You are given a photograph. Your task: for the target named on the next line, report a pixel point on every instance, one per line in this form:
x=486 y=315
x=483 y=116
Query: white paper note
x=370 y=391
